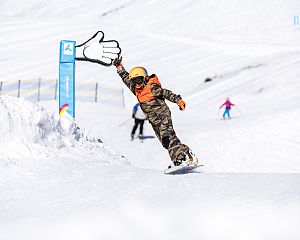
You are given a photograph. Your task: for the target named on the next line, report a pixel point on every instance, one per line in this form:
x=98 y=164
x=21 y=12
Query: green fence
x=47 y=89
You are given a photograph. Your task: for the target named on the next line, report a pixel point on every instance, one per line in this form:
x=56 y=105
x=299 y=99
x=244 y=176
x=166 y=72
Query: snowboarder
x=227 y=105
x=151 y=97
x=139 y=119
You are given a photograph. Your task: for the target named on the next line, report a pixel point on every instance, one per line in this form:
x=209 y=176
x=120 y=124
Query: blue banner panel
x=67 y=78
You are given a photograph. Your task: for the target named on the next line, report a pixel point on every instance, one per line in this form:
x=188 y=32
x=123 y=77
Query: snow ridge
x=29 y=130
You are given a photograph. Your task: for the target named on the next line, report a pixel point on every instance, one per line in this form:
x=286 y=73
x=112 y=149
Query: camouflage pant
x=163 y=128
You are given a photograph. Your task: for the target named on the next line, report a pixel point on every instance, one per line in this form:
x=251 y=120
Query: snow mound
x=29 y=131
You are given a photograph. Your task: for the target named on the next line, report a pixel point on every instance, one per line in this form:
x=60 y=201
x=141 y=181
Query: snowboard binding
x=190 y=159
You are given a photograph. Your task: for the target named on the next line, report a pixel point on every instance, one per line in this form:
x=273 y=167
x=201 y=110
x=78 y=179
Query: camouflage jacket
x=157 y=105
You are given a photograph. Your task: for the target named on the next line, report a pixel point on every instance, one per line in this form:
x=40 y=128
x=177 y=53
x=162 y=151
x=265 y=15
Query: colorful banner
x=67 y=78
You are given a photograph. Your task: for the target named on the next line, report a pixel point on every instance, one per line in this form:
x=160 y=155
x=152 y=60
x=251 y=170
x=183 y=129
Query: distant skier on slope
x=139 y=119
x=227 y=105
x=151 y=97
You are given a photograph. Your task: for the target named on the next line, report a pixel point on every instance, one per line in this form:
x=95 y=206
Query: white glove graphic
x=97 y=50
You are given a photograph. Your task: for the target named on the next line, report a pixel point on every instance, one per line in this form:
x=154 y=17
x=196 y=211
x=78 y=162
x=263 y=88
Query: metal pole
x=55 y=94
x=296 y=20
x=123 y=98
x=39 y=89
x=96 y=92
x=19 y=86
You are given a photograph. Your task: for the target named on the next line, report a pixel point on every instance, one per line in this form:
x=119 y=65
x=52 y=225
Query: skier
x=151 y=97
x=227 y=105
x=139 y=119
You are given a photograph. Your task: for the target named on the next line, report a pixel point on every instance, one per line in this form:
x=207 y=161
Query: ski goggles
x=138 y=80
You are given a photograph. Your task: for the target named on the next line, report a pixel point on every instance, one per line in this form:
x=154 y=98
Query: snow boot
x=141 y=138
x=179 y=160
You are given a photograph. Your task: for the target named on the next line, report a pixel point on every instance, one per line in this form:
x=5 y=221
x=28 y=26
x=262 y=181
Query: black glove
x=117 y=62
x=133 y=115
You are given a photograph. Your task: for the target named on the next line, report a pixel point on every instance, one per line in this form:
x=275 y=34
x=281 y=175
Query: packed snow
x=84 y=179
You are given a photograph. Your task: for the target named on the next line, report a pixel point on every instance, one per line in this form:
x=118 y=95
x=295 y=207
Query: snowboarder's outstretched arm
x=123 y=74
x=158 y=91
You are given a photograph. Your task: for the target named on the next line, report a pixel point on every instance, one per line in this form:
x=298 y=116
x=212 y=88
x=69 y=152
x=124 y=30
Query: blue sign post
x=67 y=78
x=94 y=50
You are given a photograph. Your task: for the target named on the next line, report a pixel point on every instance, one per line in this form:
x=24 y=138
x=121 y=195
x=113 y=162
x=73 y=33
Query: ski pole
x=238 y=109
x=219 y=113
x=123 y=123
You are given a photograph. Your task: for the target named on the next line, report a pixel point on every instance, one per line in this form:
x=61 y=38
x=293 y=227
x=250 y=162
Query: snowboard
x=185 y=169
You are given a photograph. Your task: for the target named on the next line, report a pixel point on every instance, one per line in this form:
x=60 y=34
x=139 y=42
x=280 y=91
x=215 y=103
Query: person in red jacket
x=227 y=105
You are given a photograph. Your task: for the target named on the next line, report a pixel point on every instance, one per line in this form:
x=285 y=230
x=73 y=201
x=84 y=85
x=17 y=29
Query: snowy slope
x=59 y=182
x=83 y=190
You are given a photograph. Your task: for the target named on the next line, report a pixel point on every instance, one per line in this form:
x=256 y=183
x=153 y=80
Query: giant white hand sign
x=97 y=50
